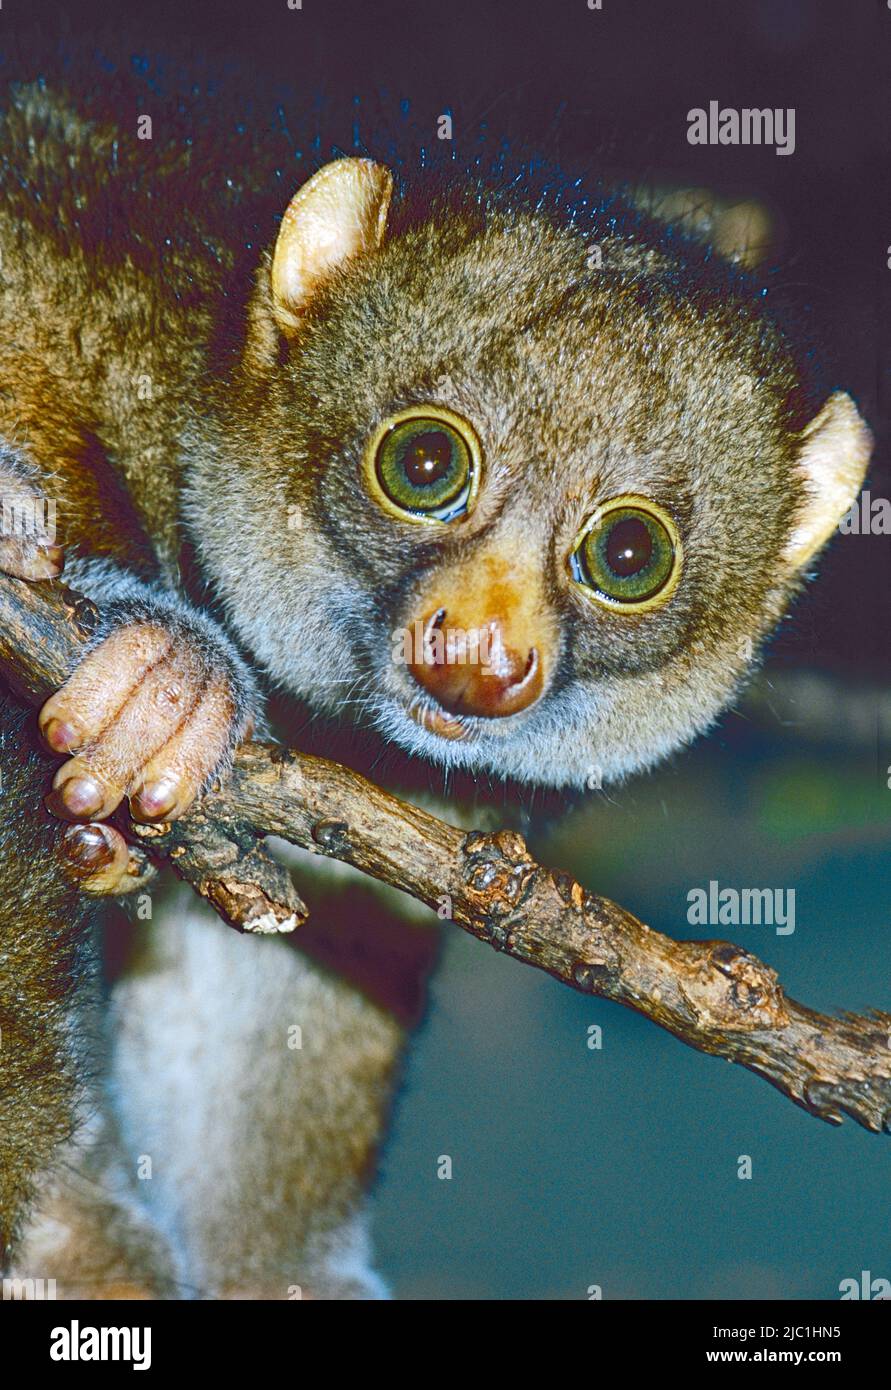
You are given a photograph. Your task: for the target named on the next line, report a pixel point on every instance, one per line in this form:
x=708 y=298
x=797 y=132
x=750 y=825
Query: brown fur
x=192 y=417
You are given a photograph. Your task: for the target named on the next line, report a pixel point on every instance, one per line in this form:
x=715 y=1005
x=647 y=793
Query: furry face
x=580 y=388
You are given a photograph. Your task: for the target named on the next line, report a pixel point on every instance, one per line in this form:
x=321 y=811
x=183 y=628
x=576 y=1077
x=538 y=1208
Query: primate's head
x=525 y=495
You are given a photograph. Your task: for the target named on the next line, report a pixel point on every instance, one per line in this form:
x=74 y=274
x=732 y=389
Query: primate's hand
x=150 y=713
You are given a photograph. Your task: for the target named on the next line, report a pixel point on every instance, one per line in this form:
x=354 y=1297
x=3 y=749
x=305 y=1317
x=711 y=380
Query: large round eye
x=628 y=556
x=424 y=465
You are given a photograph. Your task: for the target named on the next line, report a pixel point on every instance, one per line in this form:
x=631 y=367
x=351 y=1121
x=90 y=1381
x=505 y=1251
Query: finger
x=97 y=856
x=102 y=863
x=91 y=785
x=25 y=560
x=93 y=694
x=174 y=776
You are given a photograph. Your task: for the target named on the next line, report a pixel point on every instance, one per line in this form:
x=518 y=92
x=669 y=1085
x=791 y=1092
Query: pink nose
x=473 y=671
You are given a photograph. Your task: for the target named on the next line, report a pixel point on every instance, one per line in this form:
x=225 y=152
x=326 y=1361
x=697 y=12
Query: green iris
x=626 y=557
x=425 y=466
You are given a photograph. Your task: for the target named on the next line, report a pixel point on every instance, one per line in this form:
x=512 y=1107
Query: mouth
x=422 y=710
x=436 y=720
x=428 y=714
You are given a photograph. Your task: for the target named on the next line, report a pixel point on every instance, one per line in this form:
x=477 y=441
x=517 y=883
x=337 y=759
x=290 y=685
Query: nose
x=473 y=670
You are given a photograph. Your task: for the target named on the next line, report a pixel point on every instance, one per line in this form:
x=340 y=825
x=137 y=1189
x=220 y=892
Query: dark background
x=603 y=91
x=618 y=1167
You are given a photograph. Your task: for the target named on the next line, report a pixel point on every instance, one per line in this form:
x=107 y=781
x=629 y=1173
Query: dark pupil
x=427 y=458
x=629 y=547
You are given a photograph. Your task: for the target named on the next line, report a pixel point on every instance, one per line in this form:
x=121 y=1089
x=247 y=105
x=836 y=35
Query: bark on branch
x=712 y=995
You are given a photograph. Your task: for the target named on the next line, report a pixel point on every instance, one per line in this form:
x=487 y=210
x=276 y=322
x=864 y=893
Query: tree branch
x=712 y=995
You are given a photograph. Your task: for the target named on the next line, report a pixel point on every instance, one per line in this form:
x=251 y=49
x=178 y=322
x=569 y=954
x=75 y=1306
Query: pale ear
x=835 y=449
x=339 y=213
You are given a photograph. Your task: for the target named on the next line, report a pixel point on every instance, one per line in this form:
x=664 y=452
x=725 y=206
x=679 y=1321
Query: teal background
x=618 y=1167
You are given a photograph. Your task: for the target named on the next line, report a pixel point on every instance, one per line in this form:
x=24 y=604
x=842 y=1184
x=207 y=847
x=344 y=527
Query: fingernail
x=88 y=848
x=156 y=801
x=45 y=563
x=61 y=737
x=81 y=796
x=56 y=556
